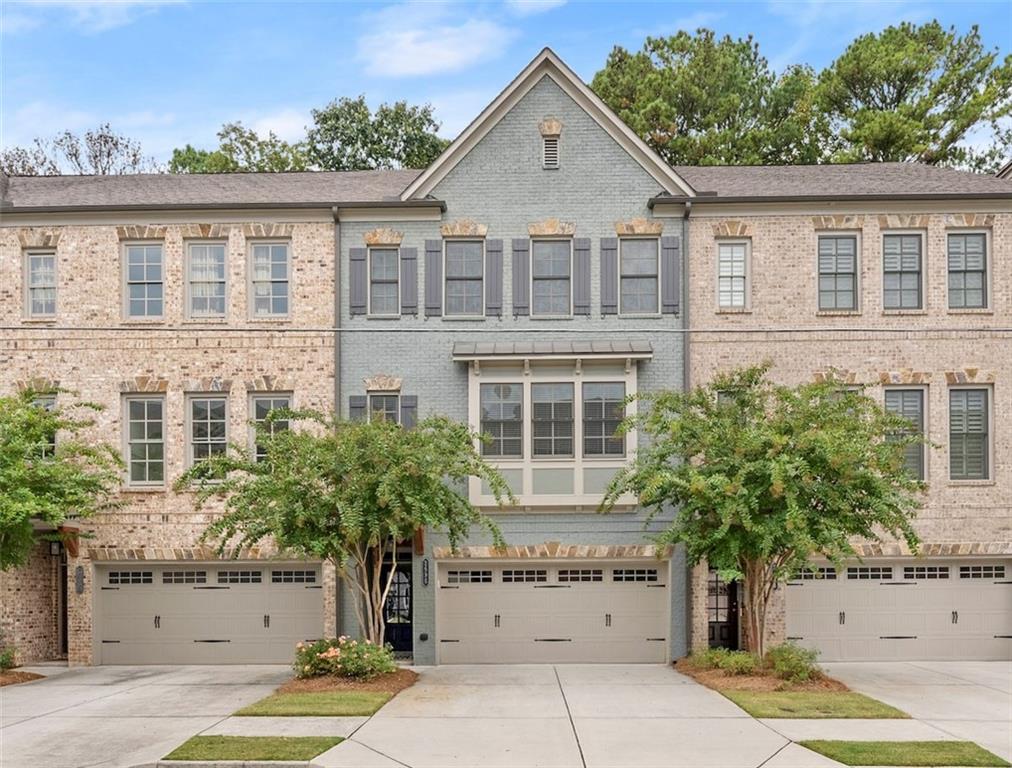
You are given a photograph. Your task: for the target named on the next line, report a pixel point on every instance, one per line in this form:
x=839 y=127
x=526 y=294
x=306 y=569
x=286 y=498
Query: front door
x=397 y=609
x=722 y=610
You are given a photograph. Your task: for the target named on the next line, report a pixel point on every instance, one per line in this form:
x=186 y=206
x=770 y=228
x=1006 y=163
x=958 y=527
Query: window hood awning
x=599 y=349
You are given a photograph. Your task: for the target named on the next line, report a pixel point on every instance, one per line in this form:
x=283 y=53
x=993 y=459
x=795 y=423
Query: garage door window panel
x=571 y=575
x=528 y=576
x=926 y=572
x=184 y=577
x=982 y=571
x=293 y=577
x=969 y=434
x=870 y=573
x=240 y=577
x=816 y=574
x=634 y=574
x=130 y=577
x=145 y=441
x=469 y=577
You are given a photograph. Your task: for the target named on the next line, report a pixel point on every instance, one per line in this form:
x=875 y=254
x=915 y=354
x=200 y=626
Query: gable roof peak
x=547 y=62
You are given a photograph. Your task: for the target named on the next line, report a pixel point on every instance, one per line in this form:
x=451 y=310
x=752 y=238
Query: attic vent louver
x=550 y=160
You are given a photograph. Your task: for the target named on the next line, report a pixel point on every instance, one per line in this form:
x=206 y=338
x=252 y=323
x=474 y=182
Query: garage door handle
x=955 y=617
x=212 y=641
x=607 y=619
x=1000 y=637
x=843 y=617
x=796 y=637
x=656 y=639
x=158 y=622
x=496 y=621
x=267 y=621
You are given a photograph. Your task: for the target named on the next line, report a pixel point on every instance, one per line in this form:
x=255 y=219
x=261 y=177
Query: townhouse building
x=544 y=269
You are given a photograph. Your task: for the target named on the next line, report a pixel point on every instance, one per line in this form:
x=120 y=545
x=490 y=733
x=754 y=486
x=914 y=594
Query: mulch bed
x=719 y=680
x=15 y=676
x=393 y=683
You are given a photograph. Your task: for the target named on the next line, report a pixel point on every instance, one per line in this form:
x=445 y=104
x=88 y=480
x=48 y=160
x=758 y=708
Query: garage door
x=904 y=610
x=552 y=613
x=206 y=613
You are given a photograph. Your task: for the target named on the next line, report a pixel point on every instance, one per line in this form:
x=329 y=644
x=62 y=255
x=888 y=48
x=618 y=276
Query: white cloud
x=287 y=123
x=414 y=40
x=532 y=7
x=89 y=16
x=456 y=109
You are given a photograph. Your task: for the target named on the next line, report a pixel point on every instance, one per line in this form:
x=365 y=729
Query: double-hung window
x=902 y=276
x=208 y=417
x=967 y=271
x=40 y=282
x=638 y=276
x=206 y=279
x=262 y=407
x=385 y=407
x=837 y=272
x=909 y=403
x=502 y=419
x=603 y=411
x=969 y=438
x=732 y=275
x=464 y=278
x=551 y=272
x=269 y=279
x=145 y=281
x=384 y=286
x=552 y=419
x=145 y=439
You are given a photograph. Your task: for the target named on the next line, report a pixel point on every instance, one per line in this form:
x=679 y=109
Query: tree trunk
x=370 y=590
x=756 y=598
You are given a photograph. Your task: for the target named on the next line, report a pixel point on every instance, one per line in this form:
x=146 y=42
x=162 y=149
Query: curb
x=229 y=764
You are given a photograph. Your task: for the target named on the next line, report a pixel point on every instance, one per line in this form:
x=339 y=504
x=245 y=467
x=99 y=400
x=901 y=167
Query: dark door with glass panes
x=722 y=611
x=397 y=608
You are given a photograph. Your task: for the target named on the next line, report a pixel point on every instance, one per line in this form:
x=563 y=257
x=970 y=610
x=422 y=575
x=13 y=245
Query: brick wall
x=29 y=607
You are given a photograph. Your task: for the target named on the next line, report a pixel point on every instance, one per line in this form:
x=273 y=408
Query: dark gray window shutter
x=521 y=276
x=409 y=281
x=409 y=411
x=581 y=276
x=357 y=405
x=671 y=265
x=609 y=275
x=358 y=280
x=433 y=278
x=493 y=278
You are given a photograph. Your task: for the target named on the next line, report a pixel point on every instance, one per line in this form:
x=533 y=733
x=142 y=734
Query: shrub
x=731 y=662
x=344 y=657
x=792 y=662
x=708 y=659
x=6 y=659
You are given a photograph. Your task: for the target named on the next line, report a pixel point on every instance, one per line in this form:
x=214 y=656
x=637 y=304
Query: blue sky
x=169 y=72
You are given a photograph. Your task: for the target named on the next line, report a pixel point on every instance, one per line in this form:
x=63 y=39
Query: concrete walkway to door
x=567 y=716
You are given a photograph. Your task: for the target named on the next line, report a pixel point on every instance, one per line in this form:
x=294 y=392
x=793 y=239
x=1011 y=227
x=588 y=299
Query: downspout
x=337 y=311
x=686 y=372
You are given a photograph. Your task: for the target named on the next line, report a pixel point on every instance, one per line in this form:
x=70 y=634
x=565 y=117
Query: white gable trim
x=547 y=63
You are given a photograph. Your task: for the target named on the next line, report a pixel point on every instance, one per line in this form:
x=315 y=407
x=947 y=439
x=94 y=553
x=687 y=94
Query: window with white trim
x=552 y=419
x=145 y=440
x=551 y=272
x=639 y=270
x=603 y=412
x=145 y=281
x=969 y=438
x=207 y=279
x=837 y=272
x=902 y=277
x=502 y=419
x=40 y=284
x=732 y=275
x=270 y=274
x=384 y=282
x=465 y=271
x=262 y=407
x=909 y=403
x=208 y=417
x=967 y=258
x=385 y=407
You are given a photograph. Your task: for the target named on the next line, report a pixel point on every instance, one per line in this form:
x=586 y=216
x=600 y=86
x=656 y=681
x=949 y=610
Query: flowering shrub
x=344 y=657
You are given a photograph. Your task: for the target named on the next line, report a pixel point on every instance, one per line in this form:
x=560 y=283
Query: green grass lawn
x=323 y=703
x=803 y=704
x=905 y=753
x=253 y=747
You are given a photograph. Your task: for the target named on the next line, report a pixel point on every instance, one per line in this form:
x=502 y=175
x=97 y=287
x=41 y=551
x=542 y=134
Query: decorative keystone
x=639 y=226
x=550 y=126
x=39 y=237
x=838 y=221
x=144 y=384
x=383 y=236
x=140 y=232
x=904 y=376
x=463 y=228
x=903 y=221
x=551 y=228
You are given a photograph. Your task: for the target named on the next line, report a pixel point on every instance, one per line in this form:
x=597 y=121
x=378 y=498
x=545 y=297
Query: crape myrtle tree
x=346 y=493
x=49 y=471
x=765 y=477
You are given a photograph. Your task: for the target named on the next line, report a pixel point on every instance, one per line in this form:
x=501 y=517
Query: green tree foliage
x=766 y=477
x=347 y=136
x=46 y=485
x=917 y=93
x=702 y=100
x=345 y=492
x=241 y=149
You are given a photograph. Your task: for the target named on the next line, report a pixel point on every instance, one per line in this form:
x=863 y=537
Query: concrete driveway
x=116 y=717
x=557 y=717
x=969 y=700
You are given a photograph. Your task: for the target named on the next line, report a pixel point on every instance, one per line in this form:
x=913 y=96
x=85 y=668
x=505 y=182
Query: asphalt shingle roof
x=217 y=189
x=836 y=180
